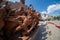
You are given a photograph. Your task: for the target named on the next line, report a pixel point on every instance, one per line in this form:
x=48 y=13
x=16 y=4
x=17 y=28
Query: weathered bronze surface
x=17 y=24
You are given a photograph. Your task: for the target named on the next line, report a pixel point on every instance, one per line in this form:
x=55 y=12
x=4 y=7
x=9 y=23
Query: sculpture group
x=14 y=21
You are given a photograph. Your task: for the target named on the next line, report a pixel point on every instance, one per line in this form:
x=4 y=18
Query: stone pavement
x=48 y=32
x=55 y=32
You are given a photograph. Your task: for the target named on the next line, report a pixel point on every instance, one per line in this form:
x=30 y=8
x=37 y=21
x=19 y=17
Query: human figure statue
x=22 y=1
x=2 y=13
x=24 y=24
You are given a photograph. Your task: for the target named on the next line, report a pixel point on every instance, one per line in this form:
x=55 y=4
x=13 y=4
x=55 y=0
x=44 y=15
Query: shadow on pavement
x=41 y=34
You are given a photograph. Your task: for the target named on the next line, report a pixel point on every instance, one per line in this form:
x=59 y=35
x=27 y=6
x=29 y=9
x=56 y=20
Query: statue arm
x=33 y=25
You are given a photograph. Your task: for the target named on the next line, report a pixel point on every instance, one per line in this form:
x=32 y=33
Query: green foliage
x=57 y=17
x=49 y=19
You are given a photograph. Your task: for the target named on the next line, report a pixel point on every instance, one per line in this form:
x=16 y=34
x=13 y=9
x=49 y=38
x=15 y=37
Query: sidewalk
x=55 y=32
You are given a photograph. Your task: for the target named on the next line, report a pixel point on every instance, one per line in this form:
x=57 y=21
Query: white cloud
x=44 y=12
x=50 y=9
x=53 y=7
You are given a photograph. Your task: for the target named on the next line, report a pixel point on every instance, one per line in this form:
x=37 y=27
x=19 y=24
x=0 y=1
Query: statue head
x=22 y=1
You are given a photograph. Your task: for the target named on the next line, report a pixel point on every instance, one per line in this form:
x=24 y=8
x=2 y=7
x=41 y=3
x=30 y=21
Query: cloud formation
x=52 y=8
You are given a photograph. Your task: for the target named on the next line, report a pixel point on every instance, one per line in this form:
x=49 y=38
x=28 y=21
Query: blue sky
x=44 y=5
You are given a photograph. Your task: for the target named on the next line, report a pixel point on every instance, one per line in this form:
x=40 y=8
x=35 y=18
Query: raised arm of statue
x=24 y=24
x=32 y=26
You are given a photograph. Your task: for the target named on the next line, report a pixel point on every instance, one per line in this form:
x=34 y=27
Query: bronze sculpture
x=13 y=21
